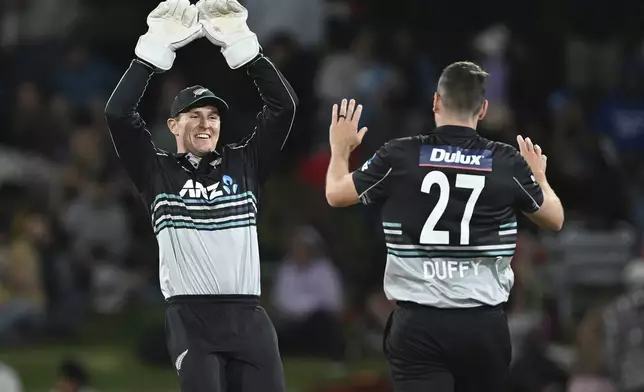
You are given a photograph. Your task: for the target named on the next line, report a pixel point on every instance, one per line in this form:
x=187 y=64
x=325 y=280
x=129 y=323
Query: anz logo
x=196 y=190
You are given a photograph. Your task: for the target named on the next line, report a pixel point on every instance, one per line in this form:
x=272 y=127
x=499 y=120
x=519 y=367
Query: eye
x=194 y=116
x=213 y=117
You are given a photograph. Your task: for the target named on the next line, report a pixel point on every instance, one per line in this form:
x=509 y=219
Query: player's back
x=449 y=214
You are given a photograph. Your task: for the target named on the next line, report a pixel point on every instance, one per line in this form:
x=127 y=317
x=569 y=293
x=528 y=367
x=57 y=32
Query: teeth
x=203 y=136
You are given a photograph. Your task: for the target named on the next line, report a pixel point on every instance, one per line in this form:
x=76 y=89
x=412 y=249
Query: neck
x=472 y=123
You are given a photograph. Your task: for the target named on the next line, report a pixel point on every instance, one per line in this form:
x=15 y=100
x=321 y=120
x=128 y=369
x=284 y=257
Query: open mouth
x=202 y=136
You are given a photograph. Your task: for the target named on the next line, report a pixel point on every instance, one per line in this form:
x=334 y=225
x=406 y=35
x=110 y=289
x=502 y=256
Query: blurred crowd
x=75 y=239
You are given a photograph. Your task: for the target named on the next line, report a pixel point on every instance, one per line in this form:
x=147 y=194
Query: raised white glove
x=224 y=24
x=172 y=25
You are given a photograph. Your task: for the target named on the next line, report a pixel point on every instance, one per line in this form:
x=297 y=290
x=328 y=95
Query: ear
x=435 y=104
x=172 y=125
x=483 y=111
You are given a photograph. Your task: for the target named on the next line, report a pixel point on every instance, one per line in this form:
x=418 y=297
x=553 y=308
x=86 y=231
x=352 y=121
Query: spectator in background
x=22 y=299
x=308 y=299
x=304 y=20
x=72 y=377
x=83 y=79
x=95 y=219
x=492 y=46
x=356 y=72
x=623 y=332
x=619 y=121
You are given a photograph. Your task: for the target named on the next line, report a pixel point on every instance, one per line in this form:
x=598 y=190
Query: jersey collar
x=455 y=130
x=214 y=158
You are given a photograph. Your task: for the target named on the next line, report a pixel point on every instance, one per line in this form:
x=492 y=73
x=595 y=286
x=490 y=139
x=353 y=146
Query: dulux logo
x=455 y=157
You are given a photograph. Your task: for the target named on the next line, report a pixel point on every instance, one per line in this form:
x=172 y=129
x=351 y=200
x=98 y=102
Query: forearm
x=338 y=168
x=125 y=98
x=131 y=139
x=275 y=121
x=340 y=189
x=551 y=203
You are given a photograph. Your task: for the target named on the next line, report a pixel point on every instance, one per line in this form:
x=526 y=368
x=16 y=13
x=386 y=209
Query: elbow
x=112 y=112
x=556 y=225
x=291 y=104
x=334 y=198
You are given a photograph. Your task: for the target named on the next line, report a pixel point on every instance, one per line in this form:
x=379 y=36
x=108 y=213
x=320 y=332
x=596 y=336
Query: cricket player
x=203 y=199
x=449 y=200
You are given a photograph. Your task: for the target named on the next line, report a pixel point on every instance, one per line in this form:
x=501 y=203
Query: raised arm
x=225 y=26
x=535 y=198
x=275 y=120
x=171 y=25
x=131 y=138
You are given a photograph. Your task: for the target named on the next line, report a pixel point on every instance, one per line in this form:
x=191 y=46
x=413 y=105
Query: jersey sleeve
x=528 y=193
x=372 y=178
x=130 y=135
x=275 y=120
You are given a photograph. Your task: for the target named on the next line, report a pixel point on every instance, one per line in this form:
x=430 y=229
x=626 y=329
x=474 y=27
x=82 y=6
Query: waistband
x=481 y=308
x=215 y=299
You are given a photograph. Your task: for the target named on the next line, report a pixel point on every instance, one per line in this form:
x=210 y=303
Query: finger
x=161 y=10
x=343 y=108
x=221 y=7
x=202 y=7
x=172 y=7
x=189 y=16
x=529 y=145
x=356 y=116
x=334 y=114
x=235 y=6
x=361 y=133
x=544 y=158
x=521 y=143
x=182 y=7
x=351 y=109
x=537 y=149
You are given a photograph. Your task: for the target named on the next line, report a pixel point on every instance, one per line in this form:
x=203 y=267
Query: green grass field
x=107 y=347
x=114 y=369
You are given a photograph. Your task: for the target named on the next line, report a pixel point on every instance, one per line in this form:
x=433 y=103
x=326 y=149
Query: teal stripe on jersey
x=448 y=253
x=392 y=225
x=198 y=226
x=451 y=251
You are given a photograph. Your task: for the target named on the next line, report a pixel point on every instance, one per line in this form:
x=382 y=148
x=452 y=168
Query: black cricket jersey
x=449 y=203
x=204 y=212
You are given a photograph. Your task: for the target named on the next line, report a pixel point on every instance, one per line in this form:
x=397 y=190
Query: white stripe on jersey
x=455 y=248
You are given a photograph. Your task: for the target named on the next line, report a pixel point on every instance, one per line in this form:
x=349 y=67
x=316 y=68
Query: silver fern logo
x=200 y=91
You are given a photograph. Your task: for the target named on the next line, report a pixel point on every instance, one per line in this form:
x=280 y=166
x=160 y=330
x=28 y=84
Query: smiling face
x=196 y=130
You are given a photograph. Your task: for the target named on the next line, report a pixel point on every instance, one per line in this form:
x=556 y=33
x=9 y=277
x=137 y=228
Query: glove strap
x=154 y=52
x=242 y=51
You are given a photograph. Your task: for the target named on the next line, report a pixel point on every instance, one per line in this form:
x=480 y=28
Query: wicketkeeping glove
x=172 y=25
x=224 y=24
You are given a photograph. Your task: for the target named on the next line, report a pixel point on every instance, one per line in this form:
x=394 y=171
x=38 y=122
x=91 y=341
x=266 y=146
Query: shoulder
x=241 y=143
x=400 y=144
x=163 y=153
x=501 y=150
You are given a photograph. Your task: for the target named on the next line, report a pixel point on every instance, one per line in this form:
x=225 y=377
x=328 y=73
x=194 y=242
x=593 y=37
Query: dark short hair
x=462 y=88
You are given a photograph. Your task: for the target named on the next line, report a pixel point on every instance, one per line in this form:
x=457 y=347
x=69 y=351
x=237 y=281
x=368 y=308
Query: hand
x=224 y=24
x=344 y=134
x=532 y=155
x=171 y=25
